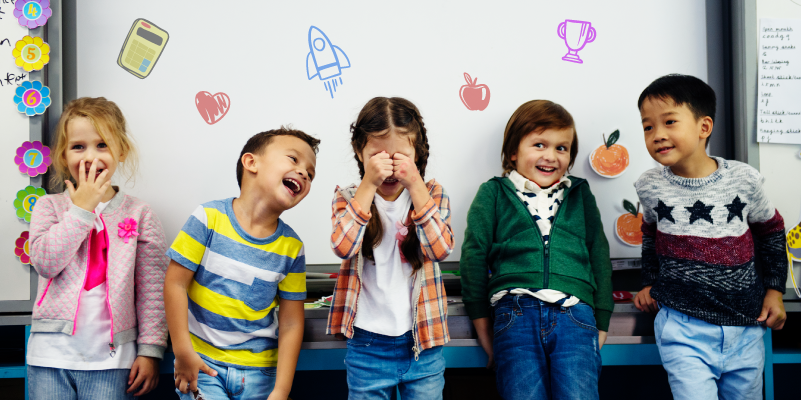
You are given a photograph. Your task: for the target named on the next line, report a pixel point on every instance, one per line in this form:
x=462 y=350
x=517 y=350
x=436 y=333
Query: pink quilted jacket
x=59 y=252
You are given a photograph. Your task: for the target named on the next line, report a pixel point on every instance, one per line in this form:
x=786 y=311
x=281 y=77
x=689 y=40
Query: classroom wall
x=781 y=163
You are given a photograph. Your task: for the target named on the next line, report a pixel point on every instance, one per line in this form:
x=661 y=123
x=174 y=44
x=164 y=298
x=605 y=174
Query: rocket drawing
x=325 y=61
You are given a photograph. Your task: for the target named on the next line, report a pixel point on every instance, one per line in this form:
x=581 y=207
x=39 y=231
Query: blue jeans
x=68 y=384
x=707 y=361
x=545 y=351
x=376 y=364
x=233 y=383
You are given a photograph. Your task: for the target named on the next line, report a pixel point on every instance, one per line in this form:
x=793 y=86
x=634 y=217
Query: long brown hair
x=380 y=114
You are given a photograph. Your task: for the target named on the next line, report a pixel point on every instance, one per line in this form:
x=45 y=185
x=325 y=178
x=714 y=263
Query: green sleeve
x=601 y=264
x=478 y=238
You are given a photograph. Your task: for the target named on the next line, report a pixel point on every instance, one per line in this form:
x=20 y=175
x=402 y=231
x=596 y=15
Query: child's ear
x=513 y=157
x=249 y=163
x=361 y=159
x=706 y=127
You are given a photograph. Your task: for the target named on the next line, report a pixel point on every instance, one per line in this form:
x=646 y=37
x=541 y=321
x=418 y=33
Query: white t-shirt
x=385 y=300
x=88 y=348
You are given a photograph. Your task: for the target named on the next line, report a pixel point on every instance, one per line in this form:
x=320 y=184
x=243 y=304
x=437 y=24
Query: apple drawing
x=212 y=107
x=473 y=96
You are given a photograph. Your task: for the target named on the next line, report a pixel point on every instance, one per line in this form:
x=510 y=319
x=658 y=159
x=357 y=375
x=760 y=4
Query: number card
x=142 y=48
x=31 y=53
x=33 y=158
x=32 y=98
x=22 y=249
x=26 y=200
x=32 y=13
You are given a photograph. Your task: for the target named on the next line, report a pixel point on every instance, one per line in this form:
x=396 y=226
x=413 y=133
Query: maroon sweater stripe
x=727 y=251
x=773 y=225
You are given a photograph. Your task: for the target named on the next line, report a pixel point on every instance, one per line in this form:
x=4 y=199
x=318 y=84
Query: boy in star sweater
x=713 y=249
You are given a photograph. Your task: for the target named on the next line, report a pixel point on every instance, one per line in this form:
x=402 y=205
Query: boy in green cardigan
x=536 y=274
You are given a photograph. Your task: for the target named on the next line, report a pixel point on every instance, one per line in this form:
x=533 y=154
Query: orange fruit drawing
x=610 y=160
x=628 y=227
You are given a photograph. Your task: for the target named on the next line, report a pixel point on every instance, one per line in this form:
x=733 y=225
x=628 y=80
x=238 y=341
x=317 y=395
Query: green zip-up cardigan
x=502 y=237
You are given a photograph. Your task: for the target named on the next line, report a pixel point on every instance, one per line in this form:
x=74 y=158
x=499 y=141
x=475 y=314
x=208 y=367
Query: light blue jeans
x=376 y=364
x=67 y=384
x=233 y=383
x=707 y=361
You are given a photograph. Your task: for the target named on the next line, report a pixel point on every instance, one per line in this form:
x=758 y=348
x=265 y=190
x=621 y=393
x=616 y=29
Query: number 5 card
x=142 y=48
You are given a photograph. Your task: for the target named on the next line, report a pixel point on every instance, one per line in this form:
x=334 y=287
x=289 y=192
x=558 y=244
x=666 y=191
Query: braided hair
x=380 y=114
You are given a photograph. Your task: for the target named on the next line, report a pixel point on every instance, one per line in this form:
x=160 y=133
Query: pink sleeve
x=55 y=241
x=151 y=268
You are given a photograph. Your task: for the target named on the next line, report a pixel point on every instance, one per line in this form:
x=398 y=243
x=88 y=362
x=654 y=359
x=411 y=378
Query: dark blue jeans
x=545 y=351
x=376 y=364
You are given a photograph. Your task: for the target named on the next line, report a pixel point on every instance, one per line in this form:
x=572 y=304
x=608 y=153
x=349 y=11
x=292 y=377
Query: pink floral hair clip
x=127 y=229
x=403 y=230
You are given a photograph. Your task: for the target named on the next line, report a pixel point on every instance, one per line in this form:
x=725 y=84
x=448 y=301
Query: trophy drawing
x=576 y=35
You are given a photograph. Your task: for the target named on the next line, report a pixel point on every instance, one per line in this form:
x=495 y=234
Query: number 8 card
x=142 y=48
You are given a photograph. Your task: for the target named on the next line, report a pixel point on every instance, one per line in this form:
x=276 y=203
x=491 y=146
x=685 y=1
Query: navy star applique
x=700 y=211
x=664 y=212
x=736 y=209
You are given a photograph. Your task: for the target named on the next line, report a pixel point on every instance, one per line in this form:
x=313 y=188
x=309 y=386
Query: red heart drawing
x=212 y=107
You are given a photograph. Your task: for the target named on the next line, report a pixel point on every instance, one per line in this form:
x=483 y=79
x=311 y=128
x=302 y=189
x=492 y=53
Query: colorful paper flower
x=26 y=200
x=33 y=158
x=32 y=98
x=127 y=229
x=22 y=249
x=32 y=13
x=31 y=53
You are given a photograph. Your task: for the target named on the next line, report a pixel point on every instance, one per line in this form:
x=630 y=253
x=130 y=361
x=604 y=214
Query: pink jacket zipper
x=112 y=348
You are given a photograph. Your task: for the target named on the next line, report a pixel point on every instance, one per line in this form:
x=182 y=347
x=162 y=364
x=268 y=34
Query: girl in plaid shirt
x=389 y=271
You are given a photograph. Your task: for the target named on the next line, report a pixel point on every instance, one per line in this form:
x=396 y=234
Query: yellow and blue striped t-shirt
x=238 y=280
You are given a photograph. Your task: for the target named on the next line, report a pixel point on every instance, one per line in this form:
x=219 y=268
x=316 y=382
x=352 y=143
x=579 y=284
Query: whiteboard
x=15 y=282
x=256 y=54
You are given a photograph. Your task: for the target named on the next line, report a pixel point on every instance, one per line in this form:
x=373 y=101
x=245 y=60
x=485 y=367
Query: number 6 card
x=142 y=48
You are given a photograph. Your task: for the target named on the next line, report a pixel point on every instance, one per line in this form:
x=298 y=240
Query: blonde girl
x=99 y=328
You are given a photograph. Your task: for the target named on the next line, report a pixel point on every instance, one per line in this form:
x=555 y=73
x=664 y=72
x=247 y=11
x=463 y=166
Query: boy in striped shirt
x=232 y=264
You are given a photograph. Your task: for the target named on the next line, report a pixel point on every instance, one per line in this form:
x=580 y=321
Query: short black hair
x=258 y=142
x=683 y=89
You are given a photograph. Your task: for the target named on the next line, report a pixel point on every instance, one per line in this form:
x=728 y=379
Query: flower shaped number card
x=32 y=98
x=31 y=53
x=33 y=158
x=32 y=13
x=22 y=249
x=26 y=200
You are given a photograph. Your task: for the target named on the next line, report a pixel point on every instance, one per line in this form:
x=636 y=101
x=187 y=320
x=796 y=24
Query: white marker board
x=14 y=129
x=256 y=54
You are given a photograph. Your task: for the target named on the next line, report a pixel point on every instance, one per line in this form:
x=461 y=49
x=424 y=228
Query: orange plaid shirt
x=433 y=227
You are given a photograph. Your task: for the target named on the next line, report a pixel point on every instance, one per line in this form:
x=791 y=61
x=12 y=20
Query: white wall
x=256 y=51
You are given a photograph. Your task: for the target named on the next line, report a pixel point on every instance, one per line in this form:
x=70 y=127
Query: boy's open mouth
x=293 y=186
x=547 y=170
x=663 y=150
x=390 y=181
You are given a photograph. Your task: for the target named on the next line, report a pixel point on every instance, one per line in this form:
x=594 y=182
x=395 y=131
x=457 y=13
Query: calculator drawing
x=142 y=48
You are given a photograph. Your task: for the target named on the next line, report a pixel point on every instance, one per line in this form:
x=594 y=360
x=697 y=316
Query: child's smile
x=673 y=135
x=544 y=157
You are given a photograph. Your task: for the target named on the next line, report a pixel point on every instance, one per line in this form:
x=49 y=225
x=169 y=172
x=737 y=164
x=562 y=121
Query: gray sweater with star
x=713 y=245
